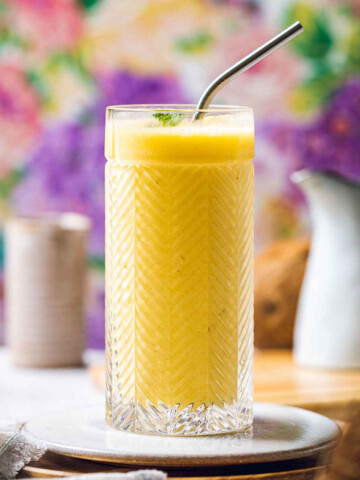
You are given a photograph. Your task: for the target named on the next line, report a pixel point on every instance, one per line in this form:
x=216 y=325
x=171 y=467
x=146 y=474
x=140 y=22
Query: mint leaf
x=169 y=119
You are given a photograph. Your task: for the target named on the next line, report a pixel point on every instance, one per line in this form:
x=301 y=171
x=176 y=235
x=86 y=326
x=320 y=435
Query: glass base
x=165 y=420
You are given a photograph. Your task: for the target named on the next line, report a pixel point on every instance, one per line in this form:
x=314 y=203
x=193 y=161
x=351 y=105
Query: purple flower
x=66 y=170
x=66 y=173
x=332 y=142
x=121 y=88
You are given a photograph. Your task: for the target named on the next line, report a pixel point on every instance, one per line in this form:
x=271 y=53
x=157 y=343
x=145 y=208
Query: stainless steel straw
x=244 y=64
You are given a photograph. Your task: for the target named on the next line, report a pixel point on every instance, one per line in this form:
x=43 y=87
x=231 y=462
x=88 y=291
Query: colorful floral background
x=63 y=61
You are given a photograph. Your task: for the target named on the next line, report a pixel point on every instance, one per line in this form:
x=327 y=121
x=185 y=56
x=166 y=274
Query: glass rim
x=177 y=108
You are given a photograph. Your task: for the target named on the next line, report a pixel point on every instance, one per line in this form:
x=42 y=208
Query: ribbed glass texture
x=179 y=272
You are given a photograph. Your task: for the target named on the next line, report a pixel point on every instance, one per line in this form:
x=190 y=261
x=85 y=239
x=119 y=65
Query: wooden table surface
x=278 y=380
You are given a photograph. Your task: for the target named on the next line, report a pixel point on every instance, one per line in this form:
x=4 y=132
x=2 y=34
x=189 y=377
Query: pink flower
x=19 y=117
x=48 y=25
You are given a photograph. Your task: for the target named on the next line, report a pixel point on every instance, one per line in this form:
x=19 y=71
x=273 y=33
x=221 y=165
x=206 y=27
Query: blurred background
x=63 y=61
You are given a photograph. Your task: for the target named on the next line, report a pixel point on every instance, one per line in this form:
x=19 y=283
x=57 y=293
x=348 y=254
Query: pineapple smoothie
x=179 y=269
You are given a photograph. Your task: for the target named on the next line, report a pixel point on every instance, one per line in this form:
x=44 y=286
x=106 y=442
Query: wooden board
x=329 y=392
x=278 y=380
x=58 y=466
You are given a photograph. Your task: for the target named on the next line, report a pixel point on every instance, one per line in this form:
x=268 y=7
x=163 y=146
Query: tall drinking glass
x=179 y=269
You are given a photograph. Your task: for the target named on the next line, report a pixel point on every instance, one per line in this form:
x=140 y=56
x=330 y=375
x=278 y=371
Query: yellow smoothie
x=179 y=260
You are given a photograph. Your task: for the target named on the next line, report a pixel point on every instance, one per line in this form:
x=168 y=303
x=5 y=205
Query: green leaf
x=316 y=89
x=3 y=7
x=169 y=119
x=69 y=60
x=97 y=263
x=35 y=79
x=88 y=3
x=12 y=39
x=353 y=49
x=345 y=9
x=8 y=183
x=317 y=39
x=196 y=43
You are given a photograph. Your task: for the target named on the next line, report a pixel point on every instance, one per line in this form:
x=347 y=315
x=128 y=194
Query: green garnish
x=169 y=119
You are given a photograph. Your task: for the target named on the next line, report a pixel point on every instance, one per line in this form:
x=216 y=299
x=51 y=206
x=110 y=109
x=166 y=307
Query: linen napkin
x=15 y=450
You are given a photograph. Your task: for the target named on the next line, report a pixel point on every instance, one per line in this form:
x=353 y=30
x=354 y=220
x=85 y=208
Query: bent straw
x=244 y=64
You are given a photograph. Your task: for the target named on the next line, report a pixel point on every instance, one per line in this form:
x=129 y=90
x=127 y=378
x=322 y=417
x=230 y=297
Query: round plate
x=279 y=433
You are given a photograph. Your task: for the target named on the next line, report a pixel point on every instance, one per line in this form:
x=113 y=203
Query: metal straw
x=244 y=64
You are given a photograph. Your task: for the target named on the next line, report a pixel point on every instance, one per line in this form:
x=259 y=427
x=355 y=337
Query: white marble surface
x=27 y=393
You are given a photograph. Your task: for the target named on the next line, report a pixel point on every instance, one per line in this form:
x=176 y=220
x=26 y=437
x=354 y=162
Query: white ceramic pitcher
x=327 y=332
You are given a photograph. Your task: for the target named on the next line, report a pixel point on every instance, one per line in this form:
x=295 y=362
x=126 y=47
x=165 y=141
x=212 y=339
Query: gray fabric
x=28 y=393
x=15 y=451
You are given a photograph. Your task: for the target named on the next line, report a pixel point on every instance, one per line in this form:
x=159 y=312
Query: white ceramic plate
x=280 y=433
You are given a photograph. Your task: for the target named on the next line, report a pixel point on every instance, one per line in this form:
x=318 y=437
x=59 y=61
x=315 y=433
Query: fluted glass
x=179 y=270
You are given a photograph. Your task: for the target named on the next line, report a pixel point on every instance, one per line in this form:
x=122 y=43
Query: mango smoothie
x=179 y=269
